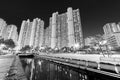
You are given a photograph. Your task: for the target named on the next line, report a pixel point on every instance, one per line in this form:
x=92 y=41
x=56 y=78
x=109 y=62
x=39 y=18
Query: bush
x=26 y=48
x=9 y=43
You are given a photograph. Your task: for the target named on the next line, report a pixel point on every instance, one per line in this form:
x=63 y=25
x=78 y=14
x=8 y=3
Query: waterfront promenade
x=112 y=59
x=106 y=65
x=5 y=63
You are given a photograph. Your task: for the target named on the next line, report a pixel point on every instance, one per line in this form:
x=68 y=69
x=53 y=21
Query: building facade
x=66 y=30
x=11 y=33
x=22 y=34
x=28 y=32
x=77 y=28
x=112 y=34
x=31 y=33
x=3 y=26
x=8 y=31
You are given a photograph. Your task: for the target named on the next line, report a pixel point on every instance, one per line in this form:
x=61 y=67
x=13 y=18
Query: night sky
x=94 y=13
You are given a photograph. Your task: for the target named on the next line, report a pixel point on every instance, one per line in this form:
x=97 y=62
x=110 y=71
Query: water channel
x=39 y=69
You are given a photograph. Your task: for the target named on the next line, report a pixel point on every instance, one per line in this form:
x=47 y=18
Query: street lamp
x=2 y=45
x=103 y=42
x=76 y=46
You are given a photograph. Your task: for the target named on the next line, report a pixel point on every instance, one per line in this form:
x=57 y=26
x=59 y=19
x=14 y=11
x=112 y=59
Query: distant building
x=47 y=37
x=37 y=33
x=28 y=32
x=8 y=31
x=48 y=34
x=22 y=34
x=11 y=33
x=31 y=33
x=111 y=28
x=112 y=34
x=3 y=26
x=41 y=33
x=44 y=39
x=89 y=41
x=66 y=29
x=53 y=32
x=114 y=40
x=77 y=28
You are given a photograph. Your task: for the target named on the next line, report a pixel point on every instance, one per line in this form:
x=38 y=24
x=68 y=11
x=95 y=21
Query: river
x=39 y=69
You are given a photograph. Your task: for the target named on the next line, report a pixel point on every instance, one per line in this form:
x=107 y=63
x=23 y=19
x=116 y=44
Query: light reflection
x=86 y=77
x=39 y=63
x=65 y=72
x=70 y=75
x=80 y=75
x=28 y=61
x=42 y=70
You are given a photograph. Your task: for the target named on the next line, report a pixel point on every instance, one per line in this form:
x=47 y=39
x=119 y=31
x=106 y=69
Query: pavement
x=112 y=59
x=5 y=63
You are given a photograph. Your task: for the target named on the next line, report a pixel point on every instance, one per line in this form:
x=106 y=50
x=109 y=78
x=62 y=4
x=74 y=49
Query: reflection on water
x=38 y=69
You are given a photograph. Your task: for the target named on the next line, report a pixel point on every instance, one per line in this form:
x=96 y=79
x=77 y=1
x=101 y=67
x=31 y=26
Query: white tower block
x=21 y=35
x=70 y=27
x=41 y=33
x=32 y=32
x=53 y=36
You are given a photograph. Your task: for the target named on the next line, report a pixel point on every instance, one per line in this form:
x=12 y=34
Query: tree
x=1 y=40
x=97 y=39
x=96 y=46
x=9 y=43
x=37 y=48
x=26 y=48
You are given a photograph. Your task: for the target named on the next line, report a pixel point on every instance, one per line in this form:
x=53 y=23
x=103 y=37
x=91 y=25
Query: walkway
x=113 y=59
x=5 y=63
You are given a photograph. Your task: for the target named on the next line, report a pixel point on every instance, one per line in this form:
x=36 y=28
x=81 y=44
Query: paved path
x=5 y=63
x=113 y=59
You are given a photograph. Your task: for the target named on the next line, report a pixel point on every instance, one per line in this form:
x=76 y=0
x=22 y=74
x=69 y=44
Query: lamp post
x=76 y=46
x=105 y=45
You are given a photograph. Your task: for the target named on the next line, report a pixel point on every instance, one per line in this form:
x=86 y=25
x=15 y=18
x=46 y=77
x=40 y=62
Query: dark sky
x=94 y=13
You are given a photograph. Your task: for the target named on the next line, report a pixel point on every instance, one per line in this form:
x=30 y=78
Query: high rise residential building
x=58 y=31
x=22 y=34
x=89 y=41
x=112 y=34
x=66 y=29
x=31 y=33
x=118 y=27
x=77 y=28
x=8 y=31
x=41 y=33
x=11 y=33
x=3 y=26
x=114 y=40
x=49 y=30
x=71 y=37
x=28 y=32
x=37 y=32
x=111 y=28
x=46 y=37
x=53 y=32
x=62 y=31
x=14 y=34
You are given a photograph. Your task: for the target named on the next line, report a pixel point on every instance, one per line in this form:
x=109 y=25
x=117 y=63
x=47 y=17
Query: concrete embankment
x=109 y=66
x=5 y=63
x=16 y=71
